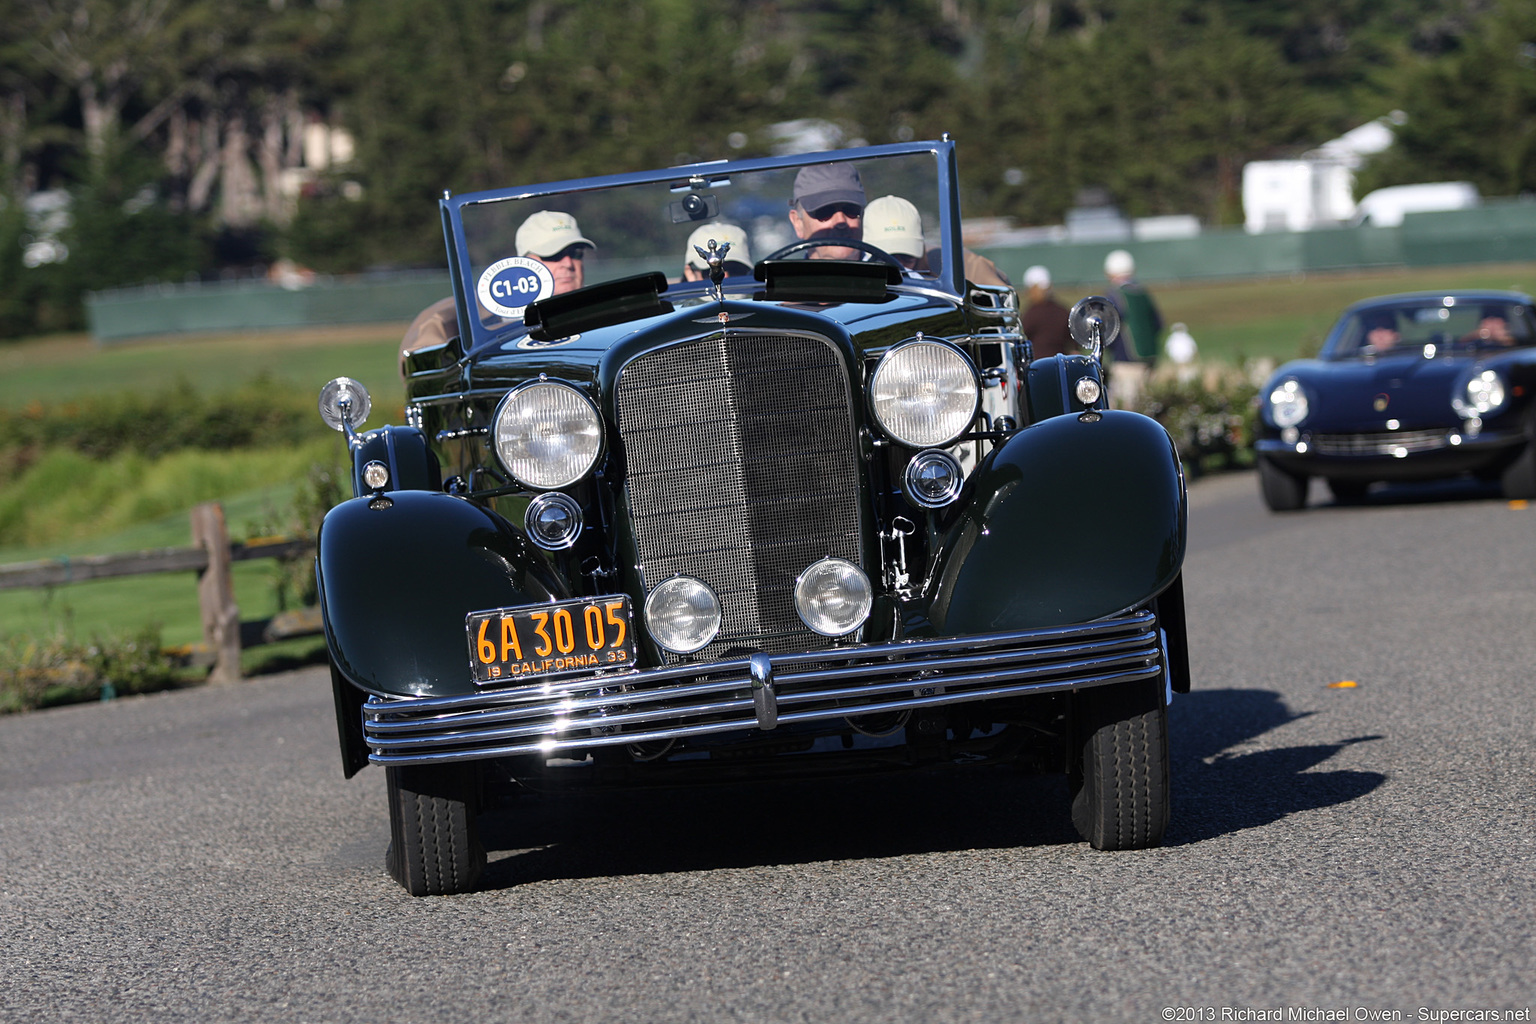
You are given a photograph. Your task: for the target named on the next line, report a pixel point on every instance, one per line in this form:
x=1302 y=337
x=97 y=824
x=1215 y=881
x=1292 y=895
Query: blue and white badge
x=508 y=286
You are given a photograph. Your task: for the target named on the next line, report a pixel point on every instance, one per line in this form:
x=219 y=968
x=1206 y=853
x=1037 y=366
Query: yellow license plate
x=544 y=641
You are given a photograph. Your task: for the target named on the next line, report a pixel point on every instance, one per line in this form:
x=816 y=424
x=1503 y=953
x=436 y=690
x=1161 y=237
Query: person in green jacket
x=1135 y=350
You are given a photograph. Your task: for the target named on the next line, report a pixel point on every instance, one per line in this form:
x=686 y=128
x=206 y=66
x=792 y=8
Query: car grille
x=742 y=471
x=1379 y=444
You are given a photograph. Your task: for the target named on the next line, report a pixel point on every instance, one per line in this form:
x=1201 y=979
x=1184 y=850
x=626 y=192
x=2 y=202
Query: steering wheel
x=806 y=244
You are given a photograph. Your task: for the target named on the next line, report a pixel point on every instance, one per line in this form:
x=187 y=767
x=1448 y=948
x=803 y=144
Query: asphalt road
x=197 y=856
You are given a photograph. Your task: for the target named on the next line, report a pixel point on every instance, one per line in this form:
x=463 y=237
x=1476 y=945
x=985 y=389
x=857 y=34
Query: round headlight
x=924 y=393
x=833 y=597
x=933 y=479
x=547 y=435
x=1288 y=404
x=683 y=615
x=1485 y=393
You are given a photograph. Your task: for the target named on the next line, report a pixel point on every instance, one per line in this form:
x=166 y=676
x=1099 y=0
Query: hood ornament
x=715 y=257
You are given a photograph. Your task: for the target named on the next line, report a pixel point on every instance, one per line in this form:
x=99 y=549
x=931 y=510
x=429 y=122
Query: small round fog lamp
x=553 y=521
x=933 y=479
x=375 y=475
x=683 y=615
x=1088 y=390
x=833 y=597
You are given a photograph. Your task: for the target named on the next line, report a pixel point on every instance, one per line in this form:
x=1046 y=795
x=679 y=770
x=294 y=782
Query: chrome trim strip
x=761 y=691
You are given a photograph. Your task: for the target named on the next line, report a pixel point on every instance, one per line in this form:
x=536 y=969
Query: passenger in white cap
x=893 y=224
x=738 y=261
x=554 y=240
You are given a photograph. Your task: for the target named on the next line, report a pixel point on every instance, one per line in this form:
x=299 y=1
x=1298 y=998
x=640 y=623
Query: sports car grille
x=742 y=471
x=1379 y=444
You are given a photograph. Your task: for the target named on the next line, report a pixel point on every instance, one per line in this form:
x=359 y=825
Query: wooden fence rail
x=211 y=557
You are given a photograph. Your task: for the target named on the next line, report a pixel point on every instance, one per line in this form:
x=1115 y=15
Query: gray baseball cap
x=824 y=184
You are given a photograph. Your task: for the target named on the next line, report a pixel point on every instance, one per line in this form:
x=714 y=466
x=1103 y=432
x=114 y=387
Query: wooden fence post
x=216 y=593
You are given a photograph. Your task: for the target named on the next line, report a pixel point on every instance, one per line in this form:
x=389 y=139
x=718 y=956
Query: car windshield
x=520 y=245
x=1432 y=327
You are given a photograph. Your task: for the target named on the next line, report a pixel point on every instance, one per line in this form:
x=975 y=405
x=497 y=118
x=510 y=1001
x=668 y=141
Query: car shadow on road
x=1218 y=788
x=1226 y=778
x=756 y=824
x=1423 y=492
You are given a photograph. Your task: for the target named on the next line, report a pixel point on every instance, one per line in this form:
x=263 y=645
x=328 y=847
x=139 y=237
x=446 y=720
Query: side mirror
x=344 y=405
x=1094 y=323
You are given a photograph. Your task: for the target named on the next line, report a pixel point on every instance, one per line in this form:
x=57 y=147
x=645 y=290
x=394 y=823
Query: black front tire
x=435 y=846
x=1518 y=481
x=1283 y=491
x=1119 y=776
x=1348 y=492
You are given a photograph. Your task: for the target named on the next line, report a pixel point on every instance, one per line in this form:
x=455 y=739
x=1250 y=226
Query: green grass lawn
x=61 y=369
x=1283 y=318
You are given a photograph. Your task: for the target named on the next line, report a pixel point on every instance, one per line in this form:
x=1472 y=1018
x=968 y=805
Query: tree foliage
x=198 y=133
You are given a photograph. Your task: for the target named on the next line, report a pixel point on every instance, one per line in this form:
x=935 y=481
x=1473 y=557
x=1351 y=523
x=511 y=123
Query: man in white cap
x=828 y=202
x=554 y=240
x=893 y=224
x=738 y=261
x=1044 y=321
x=1135 y=349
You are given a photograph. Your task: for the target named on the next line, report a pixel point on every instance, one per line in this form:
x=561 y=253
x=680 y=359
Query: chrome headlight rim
x=1484 y=393
x=863 y=604
x=552 y=481
x=560 y=502
x=890 y=363
x=666 y=591
x=913 y=478
x=1288 y=404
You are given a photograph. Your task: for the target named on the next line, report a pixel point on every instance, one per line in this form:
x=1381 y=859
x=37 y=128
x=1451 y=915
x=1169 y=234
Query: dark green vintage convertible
x=740 y=470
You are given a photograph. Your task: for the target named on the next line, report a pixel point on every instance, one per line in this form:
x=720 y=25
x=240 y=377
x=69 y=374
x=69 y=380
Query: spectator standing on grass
x=1135 y=349
x=1045 y=320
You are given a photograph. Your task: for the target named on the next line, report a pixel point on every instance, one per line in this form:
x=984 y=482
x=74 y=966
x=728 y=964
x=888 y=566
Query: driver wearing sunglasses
x=828 y=203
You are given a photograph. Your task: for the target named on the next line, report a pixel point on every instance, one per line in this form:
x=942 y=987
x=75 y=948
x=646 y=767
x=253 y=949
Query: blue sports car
x=1407 y=387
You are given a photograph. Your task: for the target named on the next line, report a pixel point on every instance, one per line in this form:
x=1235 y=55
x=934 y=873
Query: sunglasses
x=575 y=252
x=852 y=211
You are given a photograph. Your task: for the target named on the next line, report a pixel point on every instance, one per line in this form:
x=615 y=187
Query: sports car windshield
x=519 y=246
x=1434 y=327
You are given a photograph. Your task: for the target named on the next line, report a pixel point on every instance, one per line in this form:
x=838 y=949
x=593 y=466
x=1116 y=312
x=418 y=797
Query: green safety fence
x=1499 y=231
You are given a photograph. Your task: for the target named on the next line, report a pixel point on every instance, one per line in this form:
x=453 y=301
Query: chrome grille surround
x=1380 y=443
x=823 y=685
x=742 y=469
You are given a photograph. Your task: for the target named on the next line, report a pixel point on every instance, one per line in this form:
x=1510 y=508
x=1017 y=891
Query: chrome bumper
x=761 y=691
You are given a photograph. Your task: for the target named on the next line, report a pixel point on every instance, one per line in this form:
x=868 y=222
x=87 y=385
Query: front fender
x=399 y=572
x=1075 y=518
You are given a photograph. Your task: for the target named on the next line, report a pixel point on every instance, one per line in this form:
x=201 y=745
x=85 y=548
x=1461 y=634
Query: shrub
x=1209 y=410
x=39 y=673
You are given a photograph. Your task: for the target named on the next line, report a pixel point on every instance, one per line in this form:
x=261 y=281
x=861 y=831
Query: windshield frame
x=949 y=277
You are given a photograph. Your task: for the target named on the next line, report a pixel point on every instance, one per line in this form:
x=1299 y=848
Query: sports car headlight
x=1288 y=404
x=683 y=614
x=1485 y=393
x=547 y=435
x=924 y=393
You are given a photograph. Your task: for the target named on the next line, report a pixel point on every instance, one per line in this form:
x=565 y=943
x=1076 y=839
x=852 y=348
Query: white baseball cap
x=1037 y=277
x=894 y=225
x=1119 y=264
x=547 y=232
x=722 y=233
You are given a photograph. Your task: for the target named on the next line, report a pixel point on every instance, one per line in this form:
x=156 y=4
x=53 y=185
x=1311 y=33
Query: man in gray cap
x=828 y=202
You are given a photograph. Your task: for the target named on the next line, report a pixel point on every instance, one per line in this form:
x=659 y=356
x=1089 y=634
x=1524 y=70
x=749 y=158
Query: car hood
x=1356 y=395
